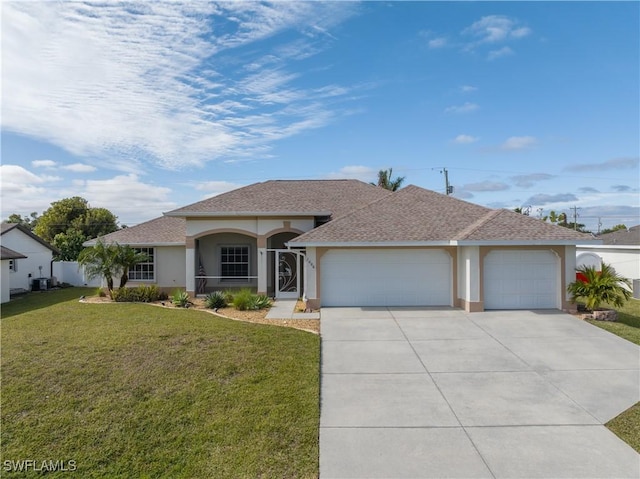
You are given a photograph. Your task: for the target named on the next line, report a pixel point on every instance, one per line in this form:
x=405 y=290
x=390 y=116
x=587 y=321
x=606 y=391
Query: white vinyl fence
x=71 y=272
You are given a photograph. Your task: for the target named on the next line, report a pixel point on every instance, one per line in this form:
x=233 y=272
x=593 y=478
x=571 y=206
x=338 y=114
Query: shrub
x=140 y=294
x=604 y=286
x=100 y=292
x=228 y=296
x=260 y=301
x=215 y=300
x=180 y=299
x=243 y=299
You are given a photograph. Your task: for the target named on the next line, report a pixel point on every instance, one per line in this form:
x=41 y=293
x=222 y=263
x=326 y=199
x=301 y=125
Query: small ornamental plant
x=596 y=288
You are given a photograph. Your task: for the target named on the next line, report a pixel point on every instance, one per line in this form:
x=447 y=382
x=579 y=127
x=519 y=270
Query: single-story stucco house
x=37 y=260
x=349 y=243
x=620 y=249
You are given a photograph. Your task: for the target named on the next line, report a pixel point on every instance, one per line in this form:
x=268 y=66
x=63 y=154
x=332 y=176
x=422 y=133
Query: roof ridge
x=477 y=224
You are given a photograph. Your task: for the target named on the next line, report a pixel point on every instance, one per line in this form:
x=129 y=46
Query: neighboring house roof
x=6 y=253
x=164 y=230
x=630 y=236
x=6 y=227
x=288 y=198
x=416 y=215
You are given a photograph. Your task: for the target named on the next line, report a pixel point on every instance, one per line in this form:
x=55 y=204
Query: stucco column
x=190 y=261
x=262 y=270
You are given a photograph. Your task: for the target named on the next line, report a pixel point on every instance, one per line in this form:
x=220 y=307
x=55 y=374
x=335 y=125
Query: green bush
x=180 y=299
x=243 y=299
x=140 y=294
x=101 y=293
x=260 y=301
x=228 y=296
x=215 y=300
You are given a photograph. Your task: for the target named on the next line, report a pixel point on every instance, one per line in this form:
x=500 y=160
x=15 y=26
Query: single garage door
x=385 y=277
x=521 y=280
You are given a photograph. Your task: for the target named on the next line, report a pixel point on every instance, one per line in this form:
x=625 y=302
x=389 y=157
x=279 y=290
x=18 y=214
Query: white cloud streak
x=157 y=82
x=467 y=107
x=465 y=139
x=518 y=143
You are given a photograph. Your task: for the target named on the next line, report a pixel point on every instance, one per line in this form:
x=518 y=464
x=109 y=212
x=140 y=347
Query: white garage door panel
x=521 y=280
x=385 y=278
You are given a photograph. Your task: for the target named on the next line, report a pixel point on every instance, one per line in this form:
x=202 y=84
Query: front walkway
x=286 y=309
x=440 y=393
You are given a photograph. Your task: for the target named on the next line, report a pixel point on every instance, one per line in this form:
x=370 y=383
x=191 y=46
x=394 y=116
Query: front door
x=287 y=277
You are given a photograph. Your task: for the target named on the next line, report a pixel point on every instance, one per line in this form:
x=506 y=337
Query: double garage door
x=379 y=277
x=512 y=279
x=516 y=279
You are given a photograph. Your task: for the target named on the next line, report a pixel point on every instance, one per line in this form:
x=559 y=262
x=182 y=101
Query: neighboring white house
x=8 y=259
x=620 y=249
x=38 y=254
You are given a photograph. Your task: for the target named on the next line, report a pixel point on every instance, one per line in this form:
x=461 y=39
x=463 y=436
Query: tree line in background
x=68 y=223
x=560 y=219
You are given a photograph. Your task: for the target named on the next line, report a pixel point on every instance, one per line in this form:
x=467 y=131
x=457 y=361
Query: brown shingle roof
x=629 y=236
x=7 y=253
x=165 y=230
x=288 y=197
x=414 y=214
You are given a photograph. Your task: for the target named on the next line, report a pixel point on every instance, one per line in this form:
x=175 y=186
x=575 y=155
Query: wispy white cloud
x=545 y=199
x=140 y=197
x=43 y=163
x=23 y=191
x=612 y=164
x=518 y=143
x=496 y=28
x=484 y=186
x=465 y=139
x=357 y=172
x=527 y=181
x=213 y=188
x=467 y=107
x=499 y=53
x=468 y=88
x=79 y=168
x=437 y=42
x=160 y=81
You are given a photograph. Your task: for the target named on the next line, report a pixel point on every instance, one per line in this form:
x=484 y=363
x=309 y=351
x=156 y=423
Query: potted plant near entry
x=596 y=288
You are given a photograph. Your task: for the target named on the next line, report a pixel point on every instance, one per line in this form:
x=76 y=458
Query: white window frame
x=133 y=273
x=234 y=279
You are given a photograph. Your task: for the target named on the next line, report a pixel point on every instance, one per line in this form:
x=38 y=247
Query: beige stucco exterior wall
x=469 y=279
x=36 y=255
x=258 y=230
x=170 y=267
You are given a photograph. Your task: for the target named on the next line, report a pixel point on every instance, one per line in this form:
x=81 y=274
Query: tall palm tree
x=101 y=260
x=597 y=287
x=385 y=181
x=127 y=258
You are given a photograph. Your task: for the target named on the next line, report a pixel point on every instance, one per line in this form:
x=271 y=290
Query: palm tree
x=604 y=286
x=127 y=258
x=101 y=260
x=385 y=181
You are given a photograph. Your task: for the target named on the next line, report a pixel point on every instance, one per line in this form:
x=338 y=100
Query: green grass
x=626 y=425
x=133 y=390
x=628 y=324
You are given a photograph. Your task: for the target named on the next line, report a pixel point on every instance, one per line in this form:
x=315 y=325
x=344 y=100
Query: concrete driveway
x=414 y=392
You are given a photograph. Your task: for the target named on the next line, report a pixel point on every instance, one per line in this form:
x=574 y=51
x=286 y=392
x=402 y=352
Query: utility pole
x=575 y=217
x=448 y=188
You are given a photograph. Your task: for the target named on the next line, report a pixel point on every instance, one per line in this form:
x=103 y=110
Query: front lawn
x=134 y=390
x=627 y=424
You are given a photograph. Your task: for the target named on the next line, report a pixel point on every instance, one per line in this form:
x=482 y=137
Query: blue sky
x=143 y=107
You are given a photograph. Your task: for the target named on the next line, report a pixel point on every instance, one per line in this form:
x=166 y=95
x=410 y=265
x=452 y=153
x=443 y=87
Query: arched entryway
x=285 y=271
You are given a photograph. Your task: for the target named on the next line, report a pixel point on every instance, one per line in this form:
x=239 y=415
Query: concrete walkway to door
x=418 y=393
